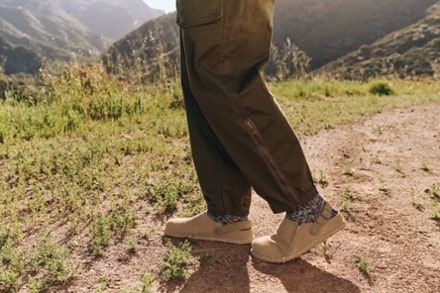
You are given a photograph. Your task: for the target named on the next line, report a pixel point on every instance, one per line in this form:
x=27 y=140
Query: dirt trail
x=382 y=158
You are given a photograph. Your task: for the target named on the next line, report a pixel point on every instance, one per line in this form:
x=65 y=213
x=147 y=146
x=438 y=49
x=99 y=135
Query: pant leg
x=225 y=189
x=225 y=45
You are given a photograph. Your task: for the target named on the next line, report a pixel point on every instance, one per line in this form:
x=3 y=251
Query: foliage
x=290 y=61
x=381 y=88
x=347 y=198
x=44 y=265
x=175 y=261
x=434 y=204
x=362 y=264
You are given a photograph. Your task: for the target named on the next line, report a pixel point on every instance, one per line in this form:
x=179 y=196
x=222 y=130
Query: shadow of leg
x=223 y=268
x=300 y=276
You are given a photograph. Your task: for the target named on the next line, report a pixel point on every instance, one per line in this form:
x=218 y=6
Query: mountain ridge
x=329 y=29
x=55 y=32
x=324 y=30
x=411 y=51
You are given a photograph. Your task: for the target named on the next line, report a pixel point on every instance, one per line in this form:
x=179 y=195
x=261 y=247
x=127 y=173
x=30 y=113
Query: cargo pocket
x=192 y=13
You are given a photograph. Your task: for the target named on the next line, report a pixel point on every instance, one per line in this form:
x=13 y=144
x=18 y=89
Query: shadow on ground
x=225 y=268
x=300 y=276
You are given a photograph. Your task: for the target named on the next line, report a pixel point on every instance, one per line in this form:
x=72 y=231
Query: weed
x=376 y=159
x=164 y=193
x=381 y=88
x=146 y=234
x=362 y=264
x=349 y=171
x=415 y=199
x=398 y=166
x=102 y=284
x=204 y=258
x=101 y=235
x=434 y=191
x=322 y=180
x=434 y=204
x=424 y=166
x=326 y=246
x=383 y=185
x=175 y=261
x=132 y=245
x=147 y=282
x=106 y=226
x=9 y=281
x=347 y=198
x=12 y=265
x=51 y=260
x=377 y=129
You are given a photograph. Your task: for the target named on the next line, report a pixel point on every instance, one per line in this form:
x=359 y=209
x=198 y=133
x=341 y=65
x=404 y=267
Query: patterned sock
x=227 y=219
x=310 y=212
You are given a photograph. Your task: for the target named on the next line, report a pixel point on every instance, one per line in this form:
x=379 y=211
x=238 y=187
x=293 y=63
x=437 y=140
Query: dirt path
x=389 y=161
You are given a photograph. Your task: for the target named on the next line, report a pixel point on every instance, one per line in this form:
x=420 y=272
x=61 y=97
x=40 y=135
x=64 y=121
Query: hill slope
x=18 y=59
x=324 y=29
x=111 y=18
x=328 y=29
x=61 y=29
x=36 y=23
x=412 y=51
x=151 y=50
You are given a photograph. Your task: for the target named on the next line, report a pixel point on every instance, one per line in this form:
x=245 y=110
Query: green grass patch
x=175 y=261
x=347 y=197
x=313 y=105
x=362 y=264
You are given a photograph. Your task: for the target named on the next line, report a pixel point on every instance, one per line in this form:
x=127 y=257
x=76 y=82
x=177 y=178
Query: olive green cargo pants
x=239 y=136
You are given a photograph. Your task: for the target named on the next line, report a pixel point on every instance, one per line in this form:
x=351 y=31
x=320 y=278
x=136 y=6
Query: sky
x=166 y=5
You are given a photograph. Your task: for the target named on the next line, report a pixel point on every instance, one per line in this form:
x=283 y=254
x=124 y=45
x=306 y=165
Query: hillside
x=44 y=23
x=18 y=59
x=329 y=29
x=110 y=18
x=324 y=29
x=68 y=30
x=151 y=51
x=412 y=51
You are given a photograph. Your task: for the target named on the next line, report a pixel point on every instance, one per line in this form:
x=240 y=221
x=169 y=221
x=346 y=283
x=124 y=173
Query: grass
x=424 y=166
x=346 y=196
x=362 y=264
x=310 y=108
x=326 y=246
x=175 y=261
x=321 y=179
x=147 y=282
x=434 y=204
x=349 y=171
x=94 y=155
x=415 y=199
x=43 y=265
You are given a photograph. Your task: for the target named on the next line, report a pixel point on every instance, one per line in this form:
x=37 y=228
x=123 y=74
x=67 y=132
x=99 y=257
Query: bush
x=381 y=88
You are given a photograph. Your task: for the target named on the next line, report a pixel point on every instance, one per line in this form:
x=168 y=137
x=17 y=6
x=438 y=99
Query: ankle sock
x=227 y=219
x=310 y=212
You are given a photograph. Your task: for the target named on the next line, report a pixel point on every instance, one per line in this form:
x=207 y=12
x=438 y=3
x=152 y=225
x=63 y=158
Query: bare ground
x=387 y=161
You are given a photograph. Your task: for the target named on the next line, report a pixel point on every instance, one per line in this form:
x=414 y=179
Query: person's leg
x=225 y=189
x=226 y=42
x=224 y=55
